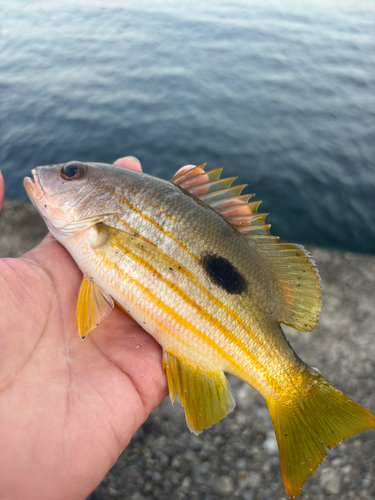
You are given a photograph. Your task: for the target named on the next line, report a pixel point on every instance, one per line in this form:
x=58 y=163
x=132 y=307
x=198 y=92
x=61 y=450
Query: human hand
x=67 y=408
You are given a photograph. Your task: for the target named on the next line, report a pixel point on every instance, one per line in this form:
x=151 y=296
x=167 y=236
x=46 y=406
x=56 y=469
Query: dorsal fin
x=194 y=174
x=297 y=276
x=221 y=196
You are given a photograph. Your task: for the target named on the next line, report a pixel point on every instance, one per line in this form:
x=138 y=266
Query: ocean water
x=280 y=92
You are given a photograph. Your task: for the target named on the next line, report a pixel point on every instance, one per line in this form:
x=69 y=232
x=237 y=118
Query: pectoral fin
x=93 y=306
x=81 y=224
x=203 y=391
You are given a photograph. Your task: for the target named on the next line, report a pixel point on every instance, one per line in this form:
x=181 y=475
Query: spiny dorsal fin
x=221 y=196
x=297 y=277
x=203 y=391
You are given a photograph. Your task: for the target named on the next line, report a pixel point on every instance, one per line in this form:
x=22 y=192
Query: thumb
x=129 y=162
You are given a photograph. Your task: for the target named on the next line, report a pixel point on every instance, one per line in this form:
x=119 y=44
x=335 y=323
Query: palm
x=67 y=407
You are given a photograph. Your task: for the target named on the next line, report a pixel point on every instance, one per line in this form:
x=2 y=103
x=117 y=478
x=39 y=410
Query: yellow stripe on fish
x=181 y=269
x=116 y=242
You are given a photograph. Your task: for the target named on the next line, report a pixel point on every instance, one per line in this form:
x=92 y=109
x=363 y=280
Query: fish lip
x=33 y=185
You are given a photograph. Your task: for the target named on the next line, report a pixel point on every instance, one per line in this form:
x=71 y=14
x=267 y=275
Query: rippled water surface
x=282 y=93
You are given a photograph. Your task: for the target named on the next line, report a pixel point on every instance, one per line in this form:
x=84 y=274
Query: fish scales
x=160 y=226
x=194 y=263
x=132 y=278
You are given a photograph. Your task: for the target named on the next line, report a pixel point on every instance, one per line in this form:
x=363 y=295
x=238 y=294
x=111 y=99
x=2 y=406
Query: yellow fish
x=193 y=262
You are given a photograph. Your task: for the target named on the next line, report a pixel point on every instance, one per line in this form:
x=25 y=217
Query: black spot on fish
x=224 y=274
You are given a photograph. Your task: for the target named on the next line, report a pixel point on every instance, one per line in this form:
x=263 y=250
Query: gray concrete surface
x=238 y=457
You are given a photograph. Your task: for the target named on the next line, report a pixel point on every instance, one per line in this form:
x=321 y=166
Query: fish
x=194 y=263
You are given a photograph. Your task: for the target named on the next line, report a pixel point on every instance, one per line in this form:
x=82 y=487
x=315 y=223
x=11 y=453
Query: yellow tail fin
x=318 y=416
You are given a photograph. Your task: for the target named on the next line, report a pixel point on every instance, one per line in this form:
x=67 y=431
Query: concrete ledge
x=21 y=228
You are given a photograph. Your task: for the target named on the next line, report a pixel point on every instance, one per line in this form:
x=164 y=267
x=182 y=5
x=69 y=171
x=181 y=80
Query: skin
x=68 y=407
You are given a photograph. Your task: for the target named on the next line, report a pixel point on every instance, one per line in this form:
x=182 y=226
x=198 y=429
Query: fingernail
x=135 y=159
x=185 y=168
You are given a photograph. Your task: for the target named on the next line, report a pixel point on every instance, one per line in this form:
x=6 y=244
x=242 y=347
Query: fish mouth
x=33 y=186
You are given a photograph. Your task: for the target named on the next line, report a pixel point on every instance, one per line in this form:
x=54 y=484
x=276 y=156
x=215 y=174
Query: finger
x=2 y=189
x=129 y=162
x=185 y=168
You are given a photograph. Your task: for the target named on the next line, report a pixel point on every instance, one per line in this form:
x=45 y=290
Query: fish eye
x=73 y=170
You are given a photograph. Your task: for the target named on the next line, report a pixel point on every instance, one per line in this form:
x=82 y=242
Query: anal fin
x=93 y=306
x=203 y=391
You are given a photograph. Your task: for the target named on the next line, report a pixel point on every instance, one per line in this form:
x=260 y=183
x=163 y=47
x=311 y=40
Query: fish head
x=72 y=196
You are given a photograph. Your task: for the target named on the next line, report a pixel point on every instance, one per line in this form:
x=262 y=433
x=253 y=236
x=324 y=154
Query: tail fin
x=319 y=416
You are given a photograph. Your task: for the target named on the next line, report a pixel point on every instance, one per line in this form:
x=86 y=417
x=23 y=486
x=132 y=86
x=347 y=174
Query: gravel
x=238 y=458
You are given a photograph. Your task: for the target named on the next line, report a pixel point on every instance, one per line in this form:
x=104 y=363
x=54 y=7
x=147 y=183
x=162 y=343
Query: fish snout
x=33 y=186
